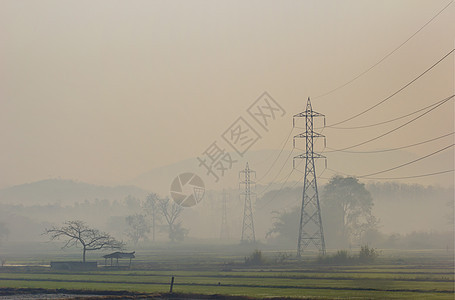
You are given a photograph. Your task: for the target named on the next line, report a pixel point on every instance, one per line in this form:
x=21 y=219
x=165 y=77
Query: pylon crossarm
x=305 y=156
x=305 y=114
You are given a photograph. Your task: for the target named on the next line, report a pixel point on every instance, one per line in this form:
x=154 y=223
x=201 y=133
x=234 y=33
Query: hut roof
x=120 y=255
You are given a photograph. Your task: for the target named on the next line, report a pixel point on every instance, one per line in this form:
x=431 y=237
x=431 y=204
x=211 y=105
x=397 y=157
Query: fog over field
x=420 y=217
x=228 y=149
x=116 y=113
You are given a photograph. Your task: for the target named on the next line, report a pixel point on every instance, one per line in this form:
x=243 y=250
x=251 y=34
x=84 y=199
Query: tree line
x=157 y=214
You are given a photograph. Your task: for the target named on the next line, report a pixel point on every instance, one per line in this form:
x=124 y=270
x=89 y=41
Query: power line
x=408 y=163
x=287 y=178
x=277 y=191
x=385 y=57
x=293 y=186
x=402 y=88
x=276 y=159
x=392 y=178
x=398 y=148
x=396 y=128
x=394 y=168
x=289 y=175
x=284 y=178
x=279 y=172
x=363 y=176
x=408 y=177
x=282 y=167
x=443 y=101
x=339 y=172
x=389 y=121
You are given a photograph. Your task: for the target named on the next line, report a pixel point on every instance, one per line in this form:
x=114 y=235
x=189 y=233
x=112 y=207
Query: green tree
x=285 y=226
x=178 y=233
x=346 y=209
x=255 y=258
x=138 y=228
x=368 y=255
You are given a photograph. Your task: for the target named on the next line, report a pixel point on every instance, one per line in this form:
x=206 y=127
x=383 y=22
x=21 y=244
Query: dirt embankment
x=29 y=294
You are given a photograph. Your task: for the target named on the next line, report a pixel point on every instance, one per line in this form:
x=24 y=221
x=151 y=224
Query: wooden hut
x=117 y=256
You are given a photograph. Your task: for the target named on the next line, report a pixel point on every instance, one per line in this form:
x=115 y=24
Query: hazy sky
x=103 y=91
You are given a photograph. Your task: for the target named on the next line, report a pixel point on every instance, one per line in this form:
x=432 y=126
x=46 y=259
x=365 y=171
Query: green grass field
x=409 y=275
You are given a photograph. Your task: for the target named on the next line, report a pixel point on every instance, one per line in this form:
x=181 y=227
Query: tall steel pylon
x=224 y=232
x=248 y=222
x=310 y=229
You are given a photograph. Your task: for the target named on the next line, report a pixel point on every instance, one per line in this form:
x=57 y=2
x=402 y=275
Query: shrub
x=255 y=258
x=367 y=255
x=282 y=257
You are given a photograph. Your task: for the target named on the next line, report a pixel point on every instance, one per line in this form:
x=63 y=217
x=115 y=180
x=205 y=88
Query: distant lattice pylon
x=224 y=232
x=248 y=220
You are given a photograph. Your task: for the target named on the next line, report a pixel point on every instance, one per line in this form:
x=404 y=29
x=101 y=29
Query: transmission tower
x=224 y=232
x=150 y=207
x=310 y=229
x=248 y=223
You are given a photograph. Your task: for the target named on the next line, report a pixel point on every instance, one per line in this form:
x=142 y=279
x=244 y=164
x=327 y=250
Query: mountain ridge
x=66 y=191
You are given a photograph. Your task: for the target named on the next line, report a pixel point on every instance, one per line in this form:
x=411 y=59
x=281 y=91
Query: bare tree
x=171 y=211
x=78 y=233
x=150 y=207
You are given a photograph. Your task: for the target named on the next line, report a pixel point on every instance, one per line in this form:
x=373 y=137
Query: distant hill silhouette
x=64 y=191
x=159 y=179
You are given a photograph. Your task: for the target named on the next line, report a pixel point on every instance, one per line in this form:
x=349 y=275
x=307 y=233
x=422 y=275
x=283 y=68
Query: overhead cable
x=406 y=164
x=395 y=129
x=389 y=121
x=385 y=57
x=401 y=89
x=398 y=148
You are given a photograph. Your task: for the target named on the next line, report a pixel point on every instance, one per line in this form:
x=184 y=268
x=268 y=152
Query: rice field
x=421 y=276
